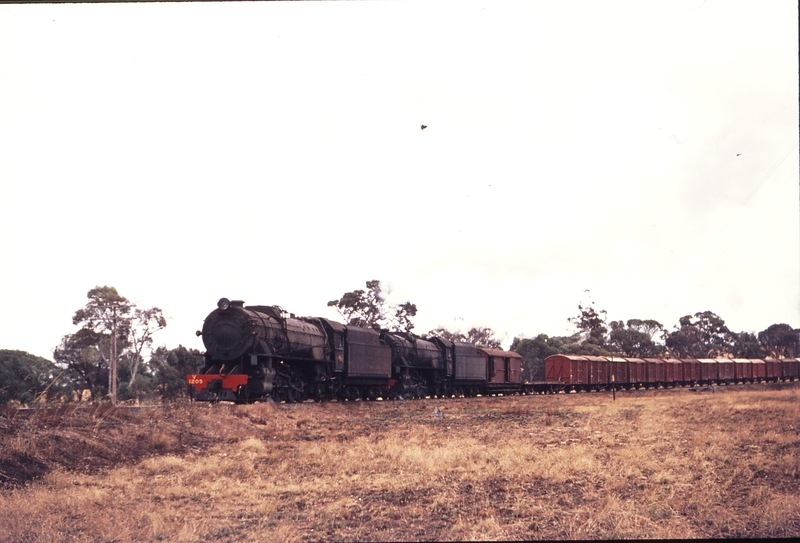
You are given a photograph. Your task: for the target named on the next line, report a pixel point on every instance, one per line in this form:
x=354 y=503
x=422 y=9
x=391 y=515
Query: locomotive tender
x=258 y=352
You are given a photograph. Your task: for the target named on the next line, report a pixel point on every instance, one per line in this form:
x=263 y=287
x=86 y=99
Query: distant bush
x=24 y=376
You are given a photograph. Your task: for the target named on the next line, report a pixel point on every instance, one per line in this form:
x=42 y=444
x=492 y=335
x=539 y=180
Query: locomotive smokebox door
x=227 y=334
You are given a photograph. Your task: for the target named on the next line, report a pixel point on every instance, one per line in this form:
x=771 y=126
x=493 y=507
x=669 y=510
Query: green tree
x=111 y=328
x=402 y=317
x=480 y=336
x=647 y=326
x=780 y=341
x=170 y=367
x=444 y=333
x=143 y=324
x=576 y=344
x=24 y=377
x=143 y=388
x=104 y=315
x=686 y=342
x=703 y=335
x=82 y=357
x=534 y=351
x=367 y=308
x=591 y=324
x=483 y=336
x=635 y=339
x=362 y=307
x=105 y=307
x=746 y=345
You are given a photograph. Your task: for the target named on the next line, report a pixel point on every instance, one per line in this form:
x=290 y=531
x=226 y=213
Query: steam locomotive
x=258 y=352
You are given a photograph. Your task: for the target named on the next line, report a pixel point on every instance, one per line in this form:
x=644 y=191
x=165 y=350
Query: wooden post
x=613 y=389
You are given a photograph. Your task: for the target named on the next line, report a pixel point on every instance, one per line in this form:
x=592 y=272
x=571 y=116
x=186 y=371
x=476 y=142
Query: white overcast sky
x=646 y=151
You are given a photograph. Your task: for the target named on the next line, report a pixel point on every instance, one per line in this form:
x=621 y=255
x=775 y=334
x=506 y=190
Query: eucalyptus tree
x=482 y=336
x=110 y=326
x=780 y=341
x=703 y=335
x=368 y=309
x=170 y=367
x=534 y=351
x=591 y=323
x=636 y=339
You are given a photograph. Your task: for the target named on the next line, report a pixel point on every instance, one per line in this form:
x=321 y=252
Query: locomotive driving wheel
x=290 y=386
x=316 y=392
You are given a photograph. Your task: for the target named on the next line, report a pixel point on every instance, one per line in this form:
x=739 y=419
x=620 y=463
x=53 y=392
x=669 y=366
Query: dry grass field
x=652 y=464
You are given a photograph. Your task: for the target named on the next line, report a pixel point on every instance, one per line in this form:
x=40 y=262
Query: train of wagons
x=261 y=352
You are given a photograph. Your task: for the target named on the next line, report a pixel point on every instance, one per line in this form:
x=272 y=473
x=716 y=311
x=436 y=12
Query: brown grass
x=652 y=464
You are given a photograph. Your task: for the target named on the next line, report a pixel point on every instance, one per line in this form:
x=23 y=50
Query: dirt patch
x=20 y=468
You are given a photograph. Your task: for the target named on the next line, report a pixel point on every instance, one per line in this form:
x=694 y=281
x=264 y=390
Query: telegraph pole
x=112 y=371
x=113 y=389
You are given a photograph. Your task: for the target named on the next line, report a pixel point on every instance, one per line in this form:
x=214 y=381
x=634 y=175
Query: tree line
x=702 y=335
x=111 y=355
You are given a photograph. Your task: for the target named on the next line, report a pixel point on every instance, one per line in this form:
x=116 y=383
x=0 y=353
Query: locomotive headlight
x=223 y=304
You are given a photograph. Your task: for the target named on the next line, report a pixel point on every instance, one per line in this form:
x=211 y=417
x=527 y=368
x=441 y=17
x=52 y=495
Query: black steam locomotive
x=259 y=352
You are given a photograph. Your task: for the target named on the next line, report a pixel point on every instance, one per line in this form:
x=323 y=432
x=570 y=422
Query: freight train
x=261 y=352
x=588 y=373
